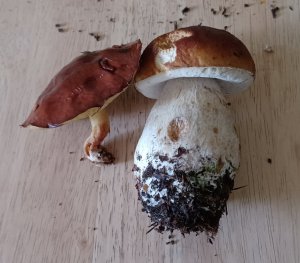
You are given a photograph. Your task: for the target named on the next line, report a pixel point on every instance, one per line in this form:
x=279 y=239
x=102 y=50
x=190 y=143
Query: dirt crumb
x=62 y=30
x=213 y=11
x=185 y=10
x=97 y=36
x=274 y=11
x=268 y=49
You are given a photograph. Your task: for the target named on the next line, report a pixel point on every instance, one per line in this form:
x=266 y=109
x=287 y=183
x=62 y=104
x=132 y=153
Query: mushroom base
x=99 y=155
x=191 y=202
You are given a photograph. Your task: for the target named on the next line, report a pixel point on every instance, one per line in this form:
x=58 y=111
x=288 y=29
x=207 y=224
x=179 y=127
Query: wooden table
x=56 y=208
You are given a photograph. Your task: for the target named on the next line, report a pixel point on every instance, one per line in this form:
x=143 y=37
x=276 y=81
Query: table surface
x=56 y=208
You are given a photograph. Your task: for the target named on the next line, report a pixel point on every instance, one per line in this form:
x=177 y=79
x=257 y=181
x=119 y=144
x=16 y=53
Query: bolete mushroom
x=188 y=153
x=82 y=89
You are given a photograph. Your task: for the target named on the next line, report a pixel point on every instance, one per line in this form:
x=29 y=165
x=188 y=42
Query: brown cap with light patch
x=196 y=46
x=195 y=52
x=89 y=81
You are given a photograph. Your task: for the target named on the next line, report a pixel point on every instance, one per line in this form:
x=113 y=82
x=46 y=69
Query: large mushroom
x=188 y=153
x=82 y=89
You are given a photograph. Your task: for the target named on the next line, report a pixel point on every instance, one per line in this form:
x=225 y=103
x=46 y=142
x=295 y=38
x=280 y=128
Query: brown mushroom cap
x=195 y=51
x=90 y=81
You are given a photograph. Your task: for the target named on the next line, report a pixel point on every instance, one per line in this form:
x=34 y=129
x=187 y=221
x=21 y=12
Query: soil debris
x=175 y=25
x=185 y=10
x=225 y=12
x=61 y=27
x=274 y=11
x=62 y=30
x=213 y=11
x=171 y=242
x=97 y=36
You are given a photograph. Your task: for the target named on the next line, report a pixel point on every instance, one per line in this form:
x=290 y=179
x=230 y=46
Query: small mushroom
x=186 y=159
x=82 y=89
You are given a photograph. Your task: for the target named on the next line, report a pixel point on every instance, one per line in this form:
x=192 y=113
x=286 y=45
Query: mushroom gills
x=187 y=156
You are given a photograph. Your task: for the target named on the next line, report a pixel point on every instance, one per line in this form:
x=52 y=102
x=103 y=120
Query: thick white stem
x=191 y=114
x=186 y=158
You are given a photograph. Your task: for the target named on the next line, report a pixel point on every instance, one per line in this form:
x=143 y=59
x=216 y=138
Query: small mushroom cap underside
x=86 y=84
x=196 y=51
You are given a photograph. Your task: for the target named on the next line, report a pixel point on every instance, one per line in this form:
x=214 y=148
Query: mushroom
x=187 y=156
x=82 y=89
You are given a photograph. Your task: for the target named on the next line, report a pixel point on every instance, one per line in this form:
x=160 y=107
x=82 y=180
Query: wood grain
x=55 y=208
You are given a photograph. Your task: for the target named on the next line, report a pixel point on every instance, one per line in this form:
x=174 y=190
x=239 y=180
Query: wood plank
x=56 y=208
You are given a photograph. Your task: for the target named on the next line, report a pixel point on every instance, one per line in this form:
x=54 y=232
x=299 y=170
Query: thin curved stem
x=93 y=149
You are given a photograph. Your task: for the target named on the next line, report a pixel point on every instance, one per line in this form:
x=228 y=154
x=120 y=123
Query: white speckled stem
x=203 y=123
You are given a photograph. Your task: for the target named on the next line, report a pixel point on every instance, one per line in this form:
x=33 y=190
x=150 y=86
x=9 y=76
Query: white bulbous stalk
x=187 y=156
x=191 y=113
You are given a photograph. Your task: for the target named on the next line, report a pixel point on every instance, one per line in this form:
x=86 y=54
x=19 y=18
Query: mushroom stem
x=186 y=158
x=93 y=149
x=191 y=112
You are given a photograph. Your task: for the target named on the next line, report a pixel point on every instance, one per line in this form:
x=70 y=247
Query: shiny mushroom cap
x=82 y=89
x=195 y=51
x=88 y=83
